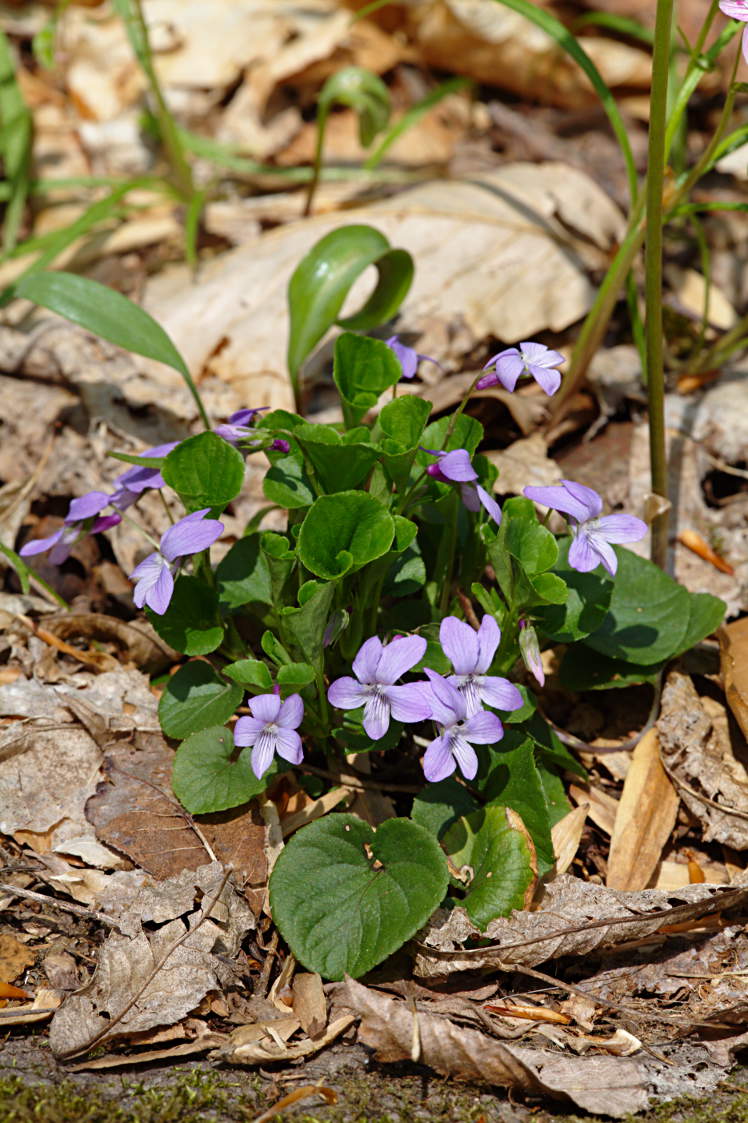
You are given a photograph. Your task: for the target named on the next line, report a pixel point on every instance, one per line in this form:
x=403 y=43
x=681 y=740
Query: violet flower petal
x=489 y=638
x=265 y=707
x=408 y=703
x=262 y=754
x=540 y=355
x=366 y=661
x=190 y=535
x=438 y=762
x=40 y=545
x=456 y=466
x=560 y=499
x=460 y=644
x=509 y=367
x=483 y=728
x=620 y=528
x=449 y=705
x=500 y=693
x=291 y=712
x=398 y=656
x=346 y=694
x=85 y=506
x=376 y=720
x=547 y=380
x=587 y=551
x=247 y=730
x=288 y=745
x=489 y=503
x=465 y=756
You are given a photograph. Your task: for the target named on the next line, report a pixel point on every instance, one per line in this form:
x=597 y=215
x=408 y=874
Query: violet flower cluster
x=454 y=703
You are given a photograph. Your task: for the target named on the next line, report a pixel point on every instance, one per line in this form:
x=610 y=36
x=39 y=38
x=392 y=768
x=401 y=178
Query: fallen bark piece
x=607 y=1085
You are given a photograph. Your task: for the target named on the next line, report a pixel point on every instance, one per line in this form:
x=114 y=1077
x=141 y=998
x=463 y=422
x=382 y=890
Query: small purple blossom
x=80 y=521
x=271 y=729
x=376 y=667
x=154 y=576
x=280 y=445
x=130 y=484
x=534 y=359
x=455 y=467
x=471 y=653
x=459 y=732
x=529 y=649
x=408 y=357
x=239 y=425
x=592 y=535
x=737 y=9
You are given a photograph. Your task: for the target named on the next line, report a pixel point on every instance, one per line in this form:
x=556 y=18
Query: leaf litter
x=186 y=952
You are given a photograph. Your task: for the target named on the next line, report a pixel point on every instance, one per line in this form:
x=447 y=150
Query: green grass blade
x=621 y=25
x=698 y=67
x=26 y=575
x=412 y=117
x=16 y=136
x=574 y=49
x=109 y=314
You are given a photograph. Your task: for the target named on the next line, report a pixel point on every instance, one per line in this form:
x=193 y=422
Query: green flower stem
x=140 y=529
x=311 y=191
x=181 y=170
x=447 y=553
x=653 y=274
x=596 y=323
x=460 y=410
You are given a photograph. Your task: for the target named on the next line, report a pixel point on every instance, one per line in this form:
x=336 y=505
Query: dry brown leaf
x=646 y=815
x=500 y=47
x=602 y=808
x=707 y=768
x=46 y=1001
x=15 y=957
x=309 y=1003
x=390 y=1026
x=257 y=1048
x=733 y=647
x=575 y=918
x=525 y=232
x=155 y=975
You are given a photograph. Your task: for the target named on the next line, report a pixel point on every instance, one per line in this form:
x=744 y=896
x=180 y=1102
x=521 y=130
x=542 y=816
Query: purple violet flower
x=737 y=9
x=130 y=484
x=534 y=359
x=376 y=668
x=239 y=425
x=80 y=521
x=280 y=445
x=455 y=467
x=471 y=653
x=154 y=576
x=529 y=649
x=271 y=729
x=592 y=535
x=459 y=732
x=408 y=357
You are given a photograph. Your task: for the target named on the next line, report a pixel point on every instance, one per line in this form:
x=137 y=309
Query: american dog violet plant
x=390 y=634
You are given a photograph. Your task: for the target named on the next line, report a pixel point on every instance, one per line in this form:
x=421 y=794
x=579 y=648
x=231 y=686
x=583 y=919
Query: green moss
x=369 y=1097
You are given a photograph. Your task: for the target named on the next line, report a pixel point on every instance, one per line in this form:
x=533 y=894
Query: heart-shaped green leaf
x=192 y=623
x=342 y=532
x=494 y=844
x=509 y=777
x=648 y=615
x=242 y=576
x=211 y=774
x=205 y=471
x=345 y=897
x=363 y=369
x=195 y=698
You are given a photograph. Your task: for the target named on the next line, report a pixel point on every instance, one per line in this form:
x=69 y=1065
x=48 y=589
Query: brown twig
x=66 y=906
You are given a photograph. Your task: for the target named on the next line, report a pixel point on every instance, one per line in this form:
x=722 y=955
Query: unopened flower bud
x=530 y=651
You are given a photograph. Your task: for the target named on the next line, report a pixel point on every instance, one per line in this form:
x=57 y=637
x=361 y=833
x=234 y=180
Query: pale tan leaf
x=733 y=646
x=309 y=1003
x=566 y=835
x=646 y=815
x=602 y=808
